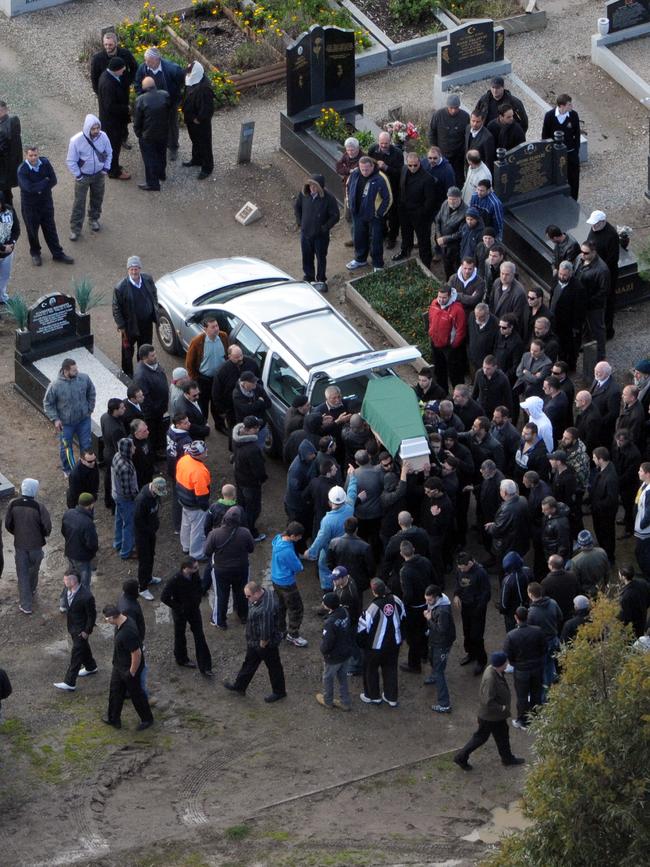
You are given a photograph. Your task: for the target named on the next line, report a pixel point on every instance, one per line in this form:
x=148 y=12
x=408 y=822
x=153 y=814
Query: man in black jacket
x=79 y=606
x=415 y=576
x=567 y=307
x=190 y=406
x=447 y=227
x=80 y=534
x=561 y=585
x=380 y=631
x=497 y=94
x=564 y=118
x=226 y=377
x=416 y=210
x=126 y=676
x=471 y=596
x=478 y=138
x=447 y=131
x=143 y=458
x=582 y=609
x=151 y=126
x=30 y=524
x=135 y=310
x=508 y=349
x=152 y=379
x=392 y=561
x=99 y=61
x=626 y=458
x=112 y=427
x=250 y=471
x=336 y=647
x=36 y=178
x=129 y=605
x=84 y=478
x=482 y=333
x=229 y=546
x=604 y=501
x=606 y=397
x=249 y=398
x=491 y=387
x=510 y=529
x=505 y=130
x=316 y=213
x=113 y=102
x=604 y=237
x=635 y=600
x=354 y=553
x=183 y=594
x=146 y=523
x=525 y=647
x=595 y=278
x=198 y=109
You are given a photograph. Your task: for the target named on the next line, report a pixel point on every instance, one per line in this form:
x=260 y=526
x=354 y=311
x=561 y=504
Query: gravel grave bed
x=636 y=53
x=377 y=11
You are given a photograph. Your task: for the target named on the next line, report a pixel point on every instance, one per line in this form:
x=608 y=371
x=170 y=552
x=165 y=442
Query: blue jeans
x=550 y=670
x=338 y=671
x=123 y=541
x=439 y=657
x=81 y=430
x=83 y=570
x=369 y=238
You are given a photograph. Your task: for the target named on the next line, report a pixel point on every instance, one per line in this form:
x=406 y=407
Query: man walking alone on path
x=128 y=662
x=79 y=605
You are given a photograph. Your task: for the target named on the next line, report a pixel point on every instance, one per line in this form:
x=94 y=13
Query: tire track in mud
x=190 y=803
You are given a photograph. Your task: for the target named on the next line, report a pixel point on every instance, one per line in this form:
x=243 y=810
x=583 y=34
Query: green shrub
x=401 y=295
x=411 y=11
x=365 y=139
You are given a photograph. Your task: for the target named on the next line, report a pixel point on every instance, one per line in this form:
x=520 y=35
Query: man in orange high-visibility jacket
x=193 y=489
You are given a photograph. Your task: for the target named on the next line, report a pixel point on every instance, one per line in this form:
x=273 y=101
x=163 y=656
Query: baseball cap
x=339 y=572
x=198 y=447
x=596 y=217
x=336 y=495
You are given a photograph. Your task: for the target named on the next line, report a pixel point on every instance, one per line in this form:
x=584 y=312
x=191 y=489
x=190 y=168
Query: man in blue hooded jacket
x=285 y=564
x=370 y=199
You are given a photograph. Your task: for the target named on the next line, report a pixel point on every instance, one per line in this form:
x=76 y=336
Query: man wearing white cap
x=332 y=526
x=29 y=523
x=605 y=238
x=135 y=310
x=198 y=108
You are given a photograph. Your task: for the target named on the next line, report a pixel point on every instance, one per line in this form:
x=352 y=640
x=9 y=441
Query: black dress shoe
x=188 y=664
x=162 y=177
x=36 y=259
x=232 y=688
x=462 y=763
x=466 y=660
x=399 y=257
x=515 y=760
x=145 y=724
x=208 y=673
x=189 y=164
x=275 y=696
x=202 y=176
x=404 y=667
x=116 y=724
x=67 y=260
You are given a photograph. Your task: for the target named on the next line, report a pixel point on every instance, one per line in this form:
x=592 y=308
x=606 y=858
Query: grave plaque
x=299 y=75
x=469 y=46
x=623 y=14
x=340 y=79
x=526 y=169
x=52 y=317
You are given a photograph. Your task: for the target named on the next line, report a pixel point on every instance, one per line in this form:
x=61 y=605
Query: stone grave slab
x=623 y=14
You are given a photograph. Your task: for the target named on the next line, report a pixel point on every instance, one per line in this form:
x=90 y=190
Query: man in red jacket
x=447 y=330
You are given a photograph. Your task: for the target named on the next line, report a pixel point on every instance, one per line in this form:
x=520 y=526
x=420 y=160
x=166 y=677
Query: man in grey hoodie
x=69 y=402
x=89 y=159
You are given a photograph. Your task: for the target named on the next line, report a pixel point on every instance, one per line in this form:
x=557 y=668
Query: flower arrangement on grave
x=401 y=133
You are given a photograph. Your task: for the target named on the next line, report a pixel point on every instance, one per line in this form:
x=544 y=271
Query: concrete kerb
x=601 y=56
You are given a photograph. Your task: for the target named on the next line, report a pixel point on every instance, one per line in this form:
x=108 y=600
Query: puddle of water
x=504 y=821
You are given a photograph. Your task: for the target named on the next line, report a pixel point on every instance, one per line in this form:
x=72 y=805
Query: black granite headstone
x=51 y=318
x=627 y=13
x=526 y=169
x=340 y=78
x=299 y=75
x=317 y=39
x=468 y=46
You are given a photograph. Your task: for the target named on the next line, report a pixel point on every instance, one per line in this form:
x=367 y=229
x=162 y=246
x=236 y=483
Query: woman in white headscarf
x=198 y=108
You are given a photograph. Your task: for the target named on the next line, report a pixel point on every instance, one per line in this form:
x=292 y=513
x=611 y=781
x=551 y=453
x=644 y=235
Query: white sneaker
x=297 y=640
x=155 y=580
x=518 y=724
x=390 y=703
x=83 y=672
x=364 y=698
x=354 y=265
x=64 y=686
x=146 y=594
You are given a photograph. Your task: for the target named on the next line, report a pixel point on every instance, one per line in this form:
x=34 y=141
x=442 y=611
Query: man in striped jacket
x=381 y=635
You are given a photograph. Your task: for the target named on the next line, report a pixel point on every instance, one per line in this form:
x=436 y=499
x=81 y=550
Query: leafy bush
x=411 y=11
x=86 y=294
x=589 y=789
x=402 y=295
x=331 y=125
x=252 y=55
x=365 y=138
x=19 y=309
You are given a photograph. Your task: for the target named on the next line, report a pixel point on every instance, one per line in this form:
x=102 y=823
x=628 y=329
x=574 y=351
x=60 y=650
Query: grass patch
x=237 y=832
x=326 y=858
x=401 y=295
x=278 y=836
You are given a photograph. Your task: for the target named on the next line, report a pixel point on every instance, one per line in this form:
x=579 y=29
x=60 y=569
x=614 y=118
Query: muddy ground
x=219 y=780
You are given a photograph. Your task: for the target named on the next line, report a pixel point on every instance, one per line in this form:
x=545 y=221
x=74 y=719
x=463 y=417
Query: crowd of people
x=395 y=550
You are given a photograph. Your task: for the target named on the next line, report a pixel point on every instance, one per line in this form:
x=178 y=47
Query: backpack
x=5 y=685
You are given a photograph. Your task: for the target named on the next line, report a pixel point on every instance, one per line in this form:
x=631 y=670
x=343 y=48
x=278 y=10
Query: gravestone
x=51 y=318
x=623 y=14
x=529 y=170
x=471 y=45
x=245 y=150
x=320 y=74
x=471 y=52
